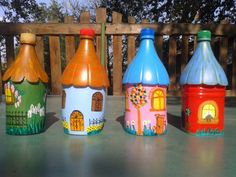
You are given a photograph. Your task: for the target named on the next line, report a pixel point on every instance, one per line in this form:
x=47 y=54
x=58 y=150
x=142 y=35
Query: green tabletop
x=113 y=152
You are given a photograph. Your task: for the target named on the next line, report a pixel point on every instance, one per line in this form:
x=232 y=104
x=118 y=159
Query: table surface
x=113 y=152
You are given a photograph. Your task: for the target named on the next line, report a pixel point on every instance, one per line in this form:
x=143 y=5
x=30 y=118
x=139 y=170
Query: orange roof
x=84 y=69
x=26 y=65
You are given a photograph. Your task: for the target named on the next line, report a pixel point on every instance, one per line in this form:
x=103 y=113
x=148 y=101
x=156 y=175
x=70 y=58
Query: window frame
x=97 y=103
x=153 y=98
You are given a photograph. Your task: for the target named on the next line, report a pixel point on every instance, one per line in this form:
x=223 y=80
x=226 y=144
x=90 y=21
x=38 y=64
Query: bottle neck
x=86 y=46
x=147 y=44
x=204 y=45
x=26 y=50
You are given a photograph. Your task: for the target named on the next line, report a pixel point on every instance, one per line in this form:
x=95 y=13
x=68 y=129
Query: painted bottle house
x=25 y=90
x=203 y=91
x=84 y=82
x=146 y=80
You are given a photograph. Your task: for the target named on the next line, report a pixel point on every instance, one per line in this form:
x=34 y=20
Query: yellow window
x=208 y=111
x=158 y=100
x=9 y=96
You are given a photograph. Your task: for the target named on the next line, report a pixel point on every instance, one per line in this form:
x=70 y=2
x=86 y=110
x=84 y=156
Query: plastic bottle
x=25 y=90
x=84 y=81
x=146 y=80
x=203 y=91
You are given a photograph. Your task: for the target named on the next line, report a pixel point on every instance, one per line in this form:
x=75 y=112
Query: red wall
x=192 y=97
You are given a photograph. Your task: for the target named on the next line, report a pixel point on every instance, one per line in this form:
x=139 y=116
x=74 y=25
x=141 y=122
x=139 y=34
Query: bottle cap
x=27 y=38
x=87 y=32
x=147 y=33
x=204 y=35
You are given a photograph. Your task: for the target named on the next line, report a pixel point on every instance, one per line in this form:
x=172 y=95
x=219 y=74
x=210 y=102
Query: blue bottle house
x=146 y=80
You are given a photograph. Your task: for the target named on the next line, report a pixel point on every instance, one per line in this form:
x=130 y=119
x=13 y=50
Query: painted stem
x=139 y=132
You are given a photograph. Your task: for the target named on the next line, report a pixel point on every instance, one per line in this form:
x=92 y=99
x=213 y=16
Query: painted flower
x=29 y=115
x=145 y=122
x=65 y=124
x=132 y=122
x=16 y=93
x=12 y=88
x=187 y=112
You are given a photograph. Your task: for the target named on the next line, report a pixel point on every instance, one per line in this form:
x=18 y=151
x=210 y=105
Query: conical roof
x=85 y=69
x=26 y=65
x=203 y=68
x=146 y=67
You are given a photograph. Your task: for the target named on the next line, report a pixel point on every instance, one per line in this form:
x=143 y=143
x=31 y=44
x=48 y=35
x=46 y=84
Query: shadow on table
x=50 y=120
x=121 y=120
x=174 y=121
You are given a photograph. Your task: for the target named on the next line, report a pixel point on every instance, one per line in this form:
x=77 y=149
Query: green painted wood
x=115 y=153
x=102 y=57
x=25 y=107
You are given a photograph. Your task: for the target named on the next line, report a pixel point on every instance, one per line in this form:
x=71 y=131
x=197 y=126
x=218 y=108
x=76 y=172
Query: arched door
x=76 y=121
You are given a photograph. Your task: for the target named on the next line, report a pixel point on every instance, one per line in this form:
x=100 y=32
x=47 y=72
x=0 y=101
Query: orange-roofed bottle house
x=84 y=82
x=25 y=90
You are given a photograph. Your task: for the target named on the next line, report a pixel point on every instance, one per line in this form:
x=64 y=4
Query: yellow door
x=76 y=121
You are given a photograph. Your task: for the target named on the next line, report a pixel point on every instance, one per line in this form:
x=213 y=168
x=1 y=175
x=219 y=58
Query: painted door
x=76 y=121
x=160 y=124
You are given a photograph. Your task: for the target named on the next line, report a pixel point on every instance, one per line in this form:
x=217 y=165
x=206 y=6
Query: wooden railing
x=175 y=44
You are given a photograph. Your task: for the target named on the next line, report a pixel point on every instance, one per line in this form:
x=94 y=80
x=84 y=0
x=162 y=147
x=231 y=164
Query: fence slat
x=172 y=63
x=131 y=42
x=159 y=45
x=85 y=17
x=223 y=53
x=40 y=49
x=234 y=69
x=117 y=57
x=10 y=52
x=194 y=42
x=184 y=55
x=69 y=41
x=101 y=16
x=55 y=63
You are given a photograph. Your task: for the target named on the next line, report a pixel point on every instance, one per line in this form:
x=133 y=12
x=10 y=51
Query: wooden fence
x=175 y=44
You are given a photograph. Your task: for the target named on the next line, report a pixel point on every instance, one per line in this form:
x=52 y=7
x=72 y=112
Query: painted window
x=208 y=111
x=158 y=100
x=63 y=101
x=76 y=121
x=97 y=101
x=10 y=99
x=127 y=101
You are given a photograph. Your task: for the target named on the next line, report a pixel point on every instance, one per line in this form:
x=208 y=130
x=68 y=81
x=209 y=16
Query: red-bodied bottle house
x=203 y=91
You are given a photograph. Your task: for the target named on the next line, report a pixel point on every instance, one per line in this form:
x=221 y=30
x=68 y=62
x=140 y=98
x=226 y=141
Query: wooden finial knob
x=27 y=38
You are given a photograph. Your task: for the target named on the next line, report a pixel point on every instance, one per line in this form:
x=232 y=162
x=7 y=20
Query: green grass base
x=34 y=126
x=208 y=132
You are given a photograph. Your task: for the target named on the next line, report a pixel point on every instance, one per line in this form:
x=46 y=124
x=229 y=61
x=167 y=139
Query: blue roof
x=203 y=68
x=146 y=67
